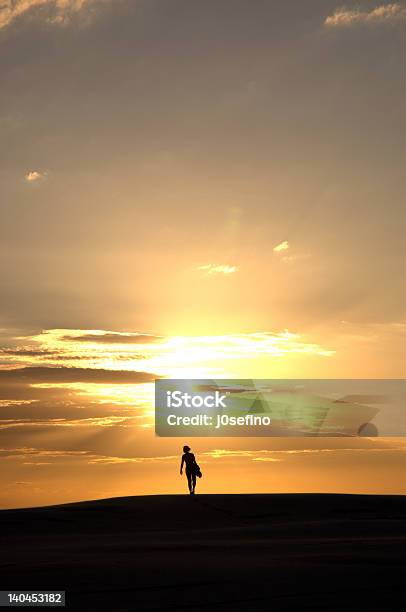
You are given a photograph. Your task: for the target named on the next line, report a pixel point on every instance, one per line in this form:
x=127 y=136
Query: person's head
x=186 y=449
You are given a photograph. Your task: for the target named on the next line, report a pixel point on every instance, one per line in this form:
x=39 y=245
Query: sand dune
x=211 y=552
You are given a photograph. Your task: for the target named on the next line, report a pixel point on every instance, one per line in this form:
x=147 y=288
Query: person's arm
x=181 y=465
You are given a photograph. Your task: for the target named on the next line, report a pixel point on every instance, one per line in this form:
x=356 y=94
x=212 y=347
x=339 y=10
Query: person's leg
x=189 y=481
x=194 y=482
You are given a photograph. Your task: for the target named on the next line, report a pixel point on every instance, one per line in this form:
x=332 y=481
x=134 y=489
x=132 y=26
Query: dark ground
x=212 y=552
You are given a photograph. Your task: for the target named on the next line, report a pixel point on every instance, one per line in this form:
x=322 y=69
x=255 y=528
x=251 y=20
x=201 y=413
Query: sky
x=209 y=188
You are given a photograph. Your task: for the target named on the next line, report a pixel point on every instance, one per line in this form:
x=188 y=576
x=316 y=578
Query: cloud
x=107 y=421
x=281 y=247
x=221 y=453
x=21 y=352
x=218 y=269
x=245 y=346
x=381 y=14
x=120 y=460
x=58 y=12
x=281 y=250
x=24 y=452
x=278 y=455
x=73 y=407
x=114 y=338
x=294 y=258
x=44 y=375
x=37 y=457
x=67 y=357
x=33 y=175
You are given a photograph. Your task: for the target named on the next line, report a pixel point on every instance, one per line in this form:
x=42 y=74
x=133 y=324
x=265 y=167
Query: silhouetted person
x=189 y=459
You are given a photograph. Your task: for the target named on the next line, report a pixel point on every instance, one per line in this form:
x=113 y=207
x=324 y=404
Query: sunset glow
x=195 y=190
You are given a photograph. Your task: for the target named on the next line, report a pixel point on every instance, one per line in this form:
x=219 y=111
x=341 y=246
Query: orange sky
x=77 y=412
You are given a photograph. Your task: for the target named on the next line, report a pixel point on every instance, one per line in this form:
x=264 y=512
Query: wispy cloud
x=33 y=175
x=113 y=338
x=37 y=456
x=283 y=252
x=277 y=455
x=218 y=269
x=294 y=258
x=58 y=12
x=121 y=460
x=25 y=451
x=281 y=247
x=385 y=13
x=63 y=375
x=221 y=453
x=107 y=421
